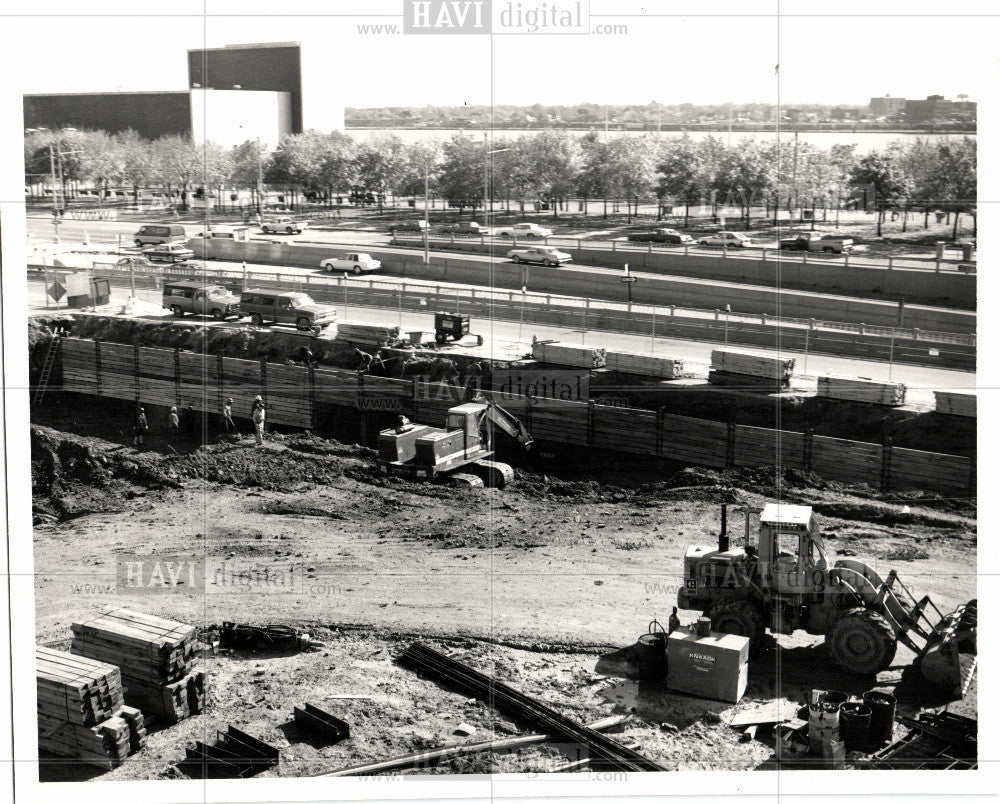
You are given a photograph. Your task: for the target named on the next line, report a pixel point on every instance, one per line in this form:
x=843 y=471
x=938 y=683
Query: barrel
x=883 y=706
x=651 y=656
x=824 y=723
x=835 y=697
x=855 y=725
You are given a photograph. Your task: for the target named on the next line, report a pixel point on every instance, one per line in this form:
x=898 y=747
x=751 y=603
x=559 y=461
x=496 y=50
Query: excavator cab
x=791 y=558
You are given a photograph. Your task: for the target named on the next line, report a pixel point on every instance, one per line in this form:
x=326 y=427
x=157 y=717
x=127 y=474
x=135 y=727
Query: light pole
x=427 y=224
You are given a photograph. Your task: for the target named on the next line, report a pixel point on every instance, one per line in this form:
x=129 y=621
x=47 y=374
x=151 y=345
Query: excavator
x=461 y=451
x=785 y=583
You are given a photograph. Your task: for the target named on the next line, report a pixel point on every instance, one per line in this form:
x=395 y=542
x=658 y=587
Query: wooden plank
x=861 y=390
x=847 y=461
x=644 y=365
x=955 y=403
x=753 y=365
x=761 y=446
x=568 y=354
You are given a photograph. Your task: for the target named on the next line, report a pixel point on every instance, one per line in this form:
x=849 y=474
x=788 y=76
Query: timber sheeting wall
x=172 y=377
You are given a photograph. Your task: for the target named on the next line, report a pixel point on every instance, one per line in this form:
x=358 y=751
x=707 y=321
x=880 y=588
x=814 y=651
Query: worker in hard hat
x=140 y=429
x=226 y=417
x=257 y=415
x=173 y=424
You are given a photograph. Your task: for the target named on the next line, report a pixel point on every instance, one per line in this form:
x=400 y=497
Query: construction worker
x=228 y=425
x=140 y=429
x=257 y=414
x=173 y=424
x=674 y=622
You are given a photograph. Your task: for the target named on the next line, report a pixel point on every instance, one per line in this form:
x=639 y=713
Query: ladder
x=48 y=365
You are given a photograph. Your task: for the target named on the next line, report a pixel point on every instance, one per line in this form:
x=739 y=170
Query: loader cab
x=791 y=559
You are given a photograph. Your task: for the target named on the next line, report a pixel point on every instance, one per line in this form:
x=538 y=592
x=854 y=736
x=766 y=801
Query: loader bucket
x=949 y=657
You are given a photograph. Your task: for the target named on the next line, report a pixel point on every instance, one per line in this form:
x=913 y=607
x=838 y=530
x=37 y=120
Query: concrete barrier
x=601 y=284
x=763 y=267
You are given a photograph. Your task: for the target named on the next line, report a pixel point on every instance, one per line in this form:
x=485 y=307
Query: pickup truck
x=814 y=241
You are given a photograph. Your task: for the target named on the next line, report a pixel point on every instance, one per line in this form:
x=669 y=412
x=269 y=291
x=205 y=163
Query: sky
x=674 y=51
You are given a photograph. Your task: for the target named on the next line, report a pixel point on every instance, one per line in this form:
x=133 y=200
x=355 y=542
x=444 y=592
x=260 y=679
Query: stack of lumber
x=155 y=657
x=568 y=354
x=81 y=710
x=861 y=389
x=955 y=403
x=373 y=334
x=663 y=368
x=740 y=368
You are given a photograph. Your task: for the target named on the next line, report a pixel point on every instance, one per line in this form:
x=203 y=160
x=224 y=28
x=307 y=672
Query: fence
x=901 y=345
x=296 y=396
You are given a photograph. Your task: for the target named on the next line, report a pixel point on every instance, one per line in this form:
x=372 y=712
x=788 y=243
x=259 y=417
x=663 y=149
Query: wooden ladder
x=48 y=365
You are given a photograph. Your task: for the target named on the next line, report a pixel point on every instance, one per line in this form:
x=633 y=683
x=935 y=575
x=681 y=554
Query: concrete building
x=887 y=106
x=235 y=93
x=936 y=109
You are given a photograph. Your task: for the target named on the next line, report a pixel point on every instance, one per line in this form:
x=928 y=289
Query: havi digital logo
x=447 y=16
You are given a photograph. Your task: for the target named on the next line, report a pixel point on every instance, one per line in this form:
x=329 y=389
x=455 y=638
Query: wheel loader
x=461 y=450
x=785 y=583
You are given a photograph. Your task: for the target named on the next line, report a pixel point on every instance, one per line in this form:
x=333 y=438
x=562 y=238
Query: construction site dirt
x=542 y=584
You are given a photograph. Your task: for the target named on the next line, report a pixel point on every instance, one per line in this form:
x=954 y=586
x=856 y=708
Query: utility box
x=713 y=666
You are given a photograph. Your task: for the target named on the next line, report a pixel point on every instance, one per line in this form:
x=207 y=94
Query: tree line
x=549 y=167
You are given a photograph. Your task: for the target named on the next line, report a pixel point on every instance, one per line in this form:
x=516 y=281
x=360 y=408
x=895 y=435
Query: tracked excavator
x=460 y=452
x=785 y=583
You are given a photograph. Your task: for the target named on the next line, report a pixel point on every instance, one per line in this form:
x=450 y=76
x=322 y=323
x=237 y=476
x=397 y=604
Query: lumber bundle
x=155 y=657
x=955 y=403
x=862 y=389
x=373 y=334
x=740 y=368
x=663 y=368
x=568 y=354
x=81 y=710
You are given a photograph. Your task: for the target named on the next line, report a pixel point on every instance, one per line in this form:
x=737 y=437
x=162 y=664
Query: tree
x=630 y=168
x=593 y=179
x=883 y=175
x=313 y=162
x=379 y=165
x=178 y=162
x=555 y=158
x=747 y=171
x=955 y=178
x=248 y=165
x=680 y=172
x=462 y=171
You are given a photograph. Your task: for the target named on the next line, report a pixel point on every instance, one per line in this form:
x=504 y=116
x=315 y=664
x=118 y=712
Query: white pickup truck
x=357 y=263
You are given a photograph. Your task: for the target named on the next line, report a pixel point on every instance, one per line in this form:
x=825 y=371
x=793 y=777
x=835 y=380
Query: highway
x=328 y=232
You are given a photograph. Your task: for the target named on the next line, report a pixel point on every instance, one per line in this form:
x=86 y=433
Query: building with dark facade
x=235 y=93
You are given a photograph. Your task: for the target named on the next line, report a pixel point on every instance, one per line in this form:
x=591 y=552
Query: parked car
x=283 y=223
x=409 y=226
x=546 y=255
x=201 y=299
x=524 y=230
x=168 y=252
x=153 y=234
x=464 y=228
x=286 y=308
x=357 y=262
x=814 y=241
x=725 y=240
x=671 y=236
x=222 y=232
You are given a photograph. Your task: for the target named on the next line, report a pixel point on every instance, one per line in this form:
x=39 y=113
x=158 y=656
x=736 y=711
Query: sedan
x=524 y=230
x=725 y=240
x=464 y=228
x=168 y=252
x=546 y=255
x=356 y=263
x=671 y=236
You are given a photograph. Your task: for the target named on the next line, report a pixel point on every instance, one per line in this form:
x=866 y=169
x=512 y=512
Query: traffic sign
x=56 y=291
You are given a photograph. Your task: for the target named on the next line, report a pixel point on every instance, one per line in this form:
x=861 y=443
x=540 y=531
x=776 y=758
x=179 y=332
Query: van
x=290 y=307
x=200 y=299
x=152 y=234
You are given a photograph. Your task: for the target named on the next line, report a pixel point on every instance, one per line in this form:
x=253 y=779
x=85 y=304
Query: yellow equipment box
x=713 y=666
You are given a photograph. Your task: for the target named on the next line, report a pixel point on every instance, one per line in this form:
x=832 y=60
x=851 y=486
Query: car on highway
x=223 y=232
x=201 y=299
x=725 y=240
x=283 y=223
x=289 y=307
x=409 y=226
x=524 y=231
x=546 y=255
x=815 y=241
x=464 y=228
x=153 y=234
x=356 y=262
x=168 y=252
x=671 y=236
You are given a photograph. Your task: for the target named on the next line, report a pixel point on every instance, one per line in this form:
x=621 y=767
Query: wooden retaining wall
x=295 y=396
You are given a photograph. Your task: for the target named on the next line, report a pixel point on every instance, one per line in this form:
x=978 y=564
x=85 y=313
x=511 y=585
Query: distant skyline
x=834 y=59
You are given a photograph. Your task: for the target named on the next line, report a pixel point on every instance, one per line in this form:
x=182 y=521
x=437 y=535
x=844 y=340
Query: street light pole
x=427 y=225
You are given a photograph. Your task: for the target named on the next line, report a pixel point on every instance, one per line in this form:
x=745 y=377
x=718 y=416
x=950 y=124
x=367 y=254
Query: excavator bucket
x=948 y=658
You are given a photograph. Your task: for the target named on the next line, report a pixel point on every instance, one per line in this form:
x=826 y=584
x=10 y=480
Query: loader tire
x=737 y=617
x=861 y=641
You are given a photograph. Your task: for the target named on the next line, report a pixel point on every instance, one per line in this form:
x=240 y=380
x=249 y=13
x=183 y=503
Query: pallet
x=371 y=334
x=753 y=365
x=955 y=403
x=862 y=389
x=755 y=383
x=568 y=354
x=663 y=368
